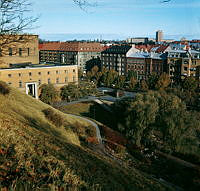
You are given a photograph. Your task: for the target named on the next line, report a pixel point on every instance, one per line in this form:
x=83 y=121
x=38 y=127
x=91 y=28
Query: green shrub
x=48 y=94
x=4 y=88
x=54 y=117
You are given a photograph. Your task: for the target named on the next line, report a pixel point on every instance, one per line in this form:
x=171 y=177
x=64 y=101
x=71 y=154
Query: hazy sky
x=122 y=17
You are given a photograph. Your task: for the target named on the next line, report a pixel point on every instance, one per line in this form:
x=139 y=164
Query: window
x=20 y=51
x=56 y=71
x=39 y=82
x=49 y=80
x=57 y=80
x=20 y=84
x=74 y=78
x=9 y=83
x=28 y=51
x=74 y=70
x=20 y=74
x=9 y=75
x=39 y=73
x=48 y=72
x=66 y=79
x=10 y=51
x=30 y=74
x=185 y=68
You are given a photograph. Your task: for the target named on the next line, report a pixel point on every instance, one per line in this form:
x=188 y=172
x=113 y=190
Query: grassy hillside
x=35 y=152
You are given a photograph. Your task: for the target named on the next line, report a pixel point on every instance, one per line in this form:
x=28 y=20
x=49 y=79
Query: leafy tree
x=131 y=74
x=109 y=77
x=120 y=81
x=94 y=71
x=163 y=81
x=190 y=83
x=152 y=80
x=98 y=76
x=70 y=91
x=89 y=75
x=160 y=119
x=132 y=83
x=140 y=113
x=143 y=85
x=48 y=94
x=176 y=124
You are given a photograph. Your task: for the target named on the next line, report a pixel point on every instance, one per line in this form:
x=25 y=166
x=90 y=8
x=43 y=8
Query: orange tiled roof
x=162 y=48
x=145 y=47
x=72 y=46
x=50 y=46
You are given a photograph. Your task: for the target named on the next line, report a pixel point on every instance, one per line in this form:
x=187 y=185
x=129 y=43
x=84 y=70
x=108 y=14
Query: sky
x=117 y=19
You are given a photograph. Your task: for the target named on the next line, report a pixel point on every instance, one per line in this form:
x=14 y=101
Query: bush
x=49 y=94
x=54 y=117
x=4 y=88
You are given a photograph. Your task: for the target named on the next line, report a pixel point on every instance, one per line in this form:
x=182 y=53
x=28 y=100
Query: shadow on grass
x=99 y=114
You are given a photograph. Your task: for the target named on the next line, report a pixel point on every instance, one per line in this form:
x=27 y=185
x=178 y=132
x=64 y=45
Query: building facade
x=143 y=40
x=159 y=36
x=20 y=68
x=29 y=79
x=182 y=63
x=18 y=50
x=144 y=64
x=70 y=53
x=114 y=58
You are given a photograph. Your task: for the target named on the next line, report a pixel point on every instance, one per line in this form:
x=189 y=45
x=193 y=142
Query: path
x=102 y=150
x=98 y=134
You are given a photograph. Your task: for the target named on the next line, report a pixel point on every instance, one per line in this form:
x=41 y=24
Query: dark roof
x=122 y=49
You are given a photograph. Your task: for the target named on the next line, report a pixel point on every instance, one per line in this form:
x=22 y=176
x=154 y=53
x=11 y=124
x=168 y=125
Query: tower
x=159 y=36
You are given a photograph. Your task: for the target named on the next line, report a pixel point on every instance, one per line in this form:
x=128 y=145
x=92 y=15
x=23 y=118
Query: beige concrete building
x=20 y=68
x=29 y=79
x=18 y=50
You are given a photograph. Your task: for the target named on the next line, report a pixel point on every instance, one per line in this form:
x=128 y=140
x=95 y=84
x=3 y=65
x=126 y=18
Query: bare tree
x=13 y=17
x=85 y=3
x=14 y=21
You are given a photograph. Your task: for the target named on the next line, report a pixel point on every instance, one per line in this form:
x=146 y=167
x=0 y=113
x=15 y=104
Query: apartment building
x=18 y=50
x=70 y=53
x=182 y=63
x=144 y=64
x=115 y=58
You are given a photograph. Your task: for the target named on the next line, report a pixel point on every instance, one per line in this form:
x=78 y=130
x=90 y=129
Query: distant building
x=159 y=36
x=182 y=63
x=115 y=58
x=144 y=64
x=70 y=53
x=137 y=40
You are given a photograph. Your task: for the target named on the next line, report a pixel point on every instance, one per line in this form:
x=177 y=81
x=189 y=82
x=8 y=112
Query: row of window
x=39 y=73
x=20 y=50
x=49 y=81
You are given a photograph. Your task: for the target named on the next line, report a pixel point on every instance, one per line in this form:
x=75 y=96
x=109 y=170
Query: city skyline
x=129 y=18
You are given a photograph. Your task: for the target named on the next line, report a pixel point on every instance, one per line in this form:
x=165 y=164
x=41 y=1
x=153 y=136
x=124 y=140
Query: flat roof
x=39 y=67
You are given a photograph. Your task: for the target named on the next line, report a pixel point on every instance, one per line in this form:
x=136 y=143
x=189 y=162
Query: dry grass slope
x=34 y=151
